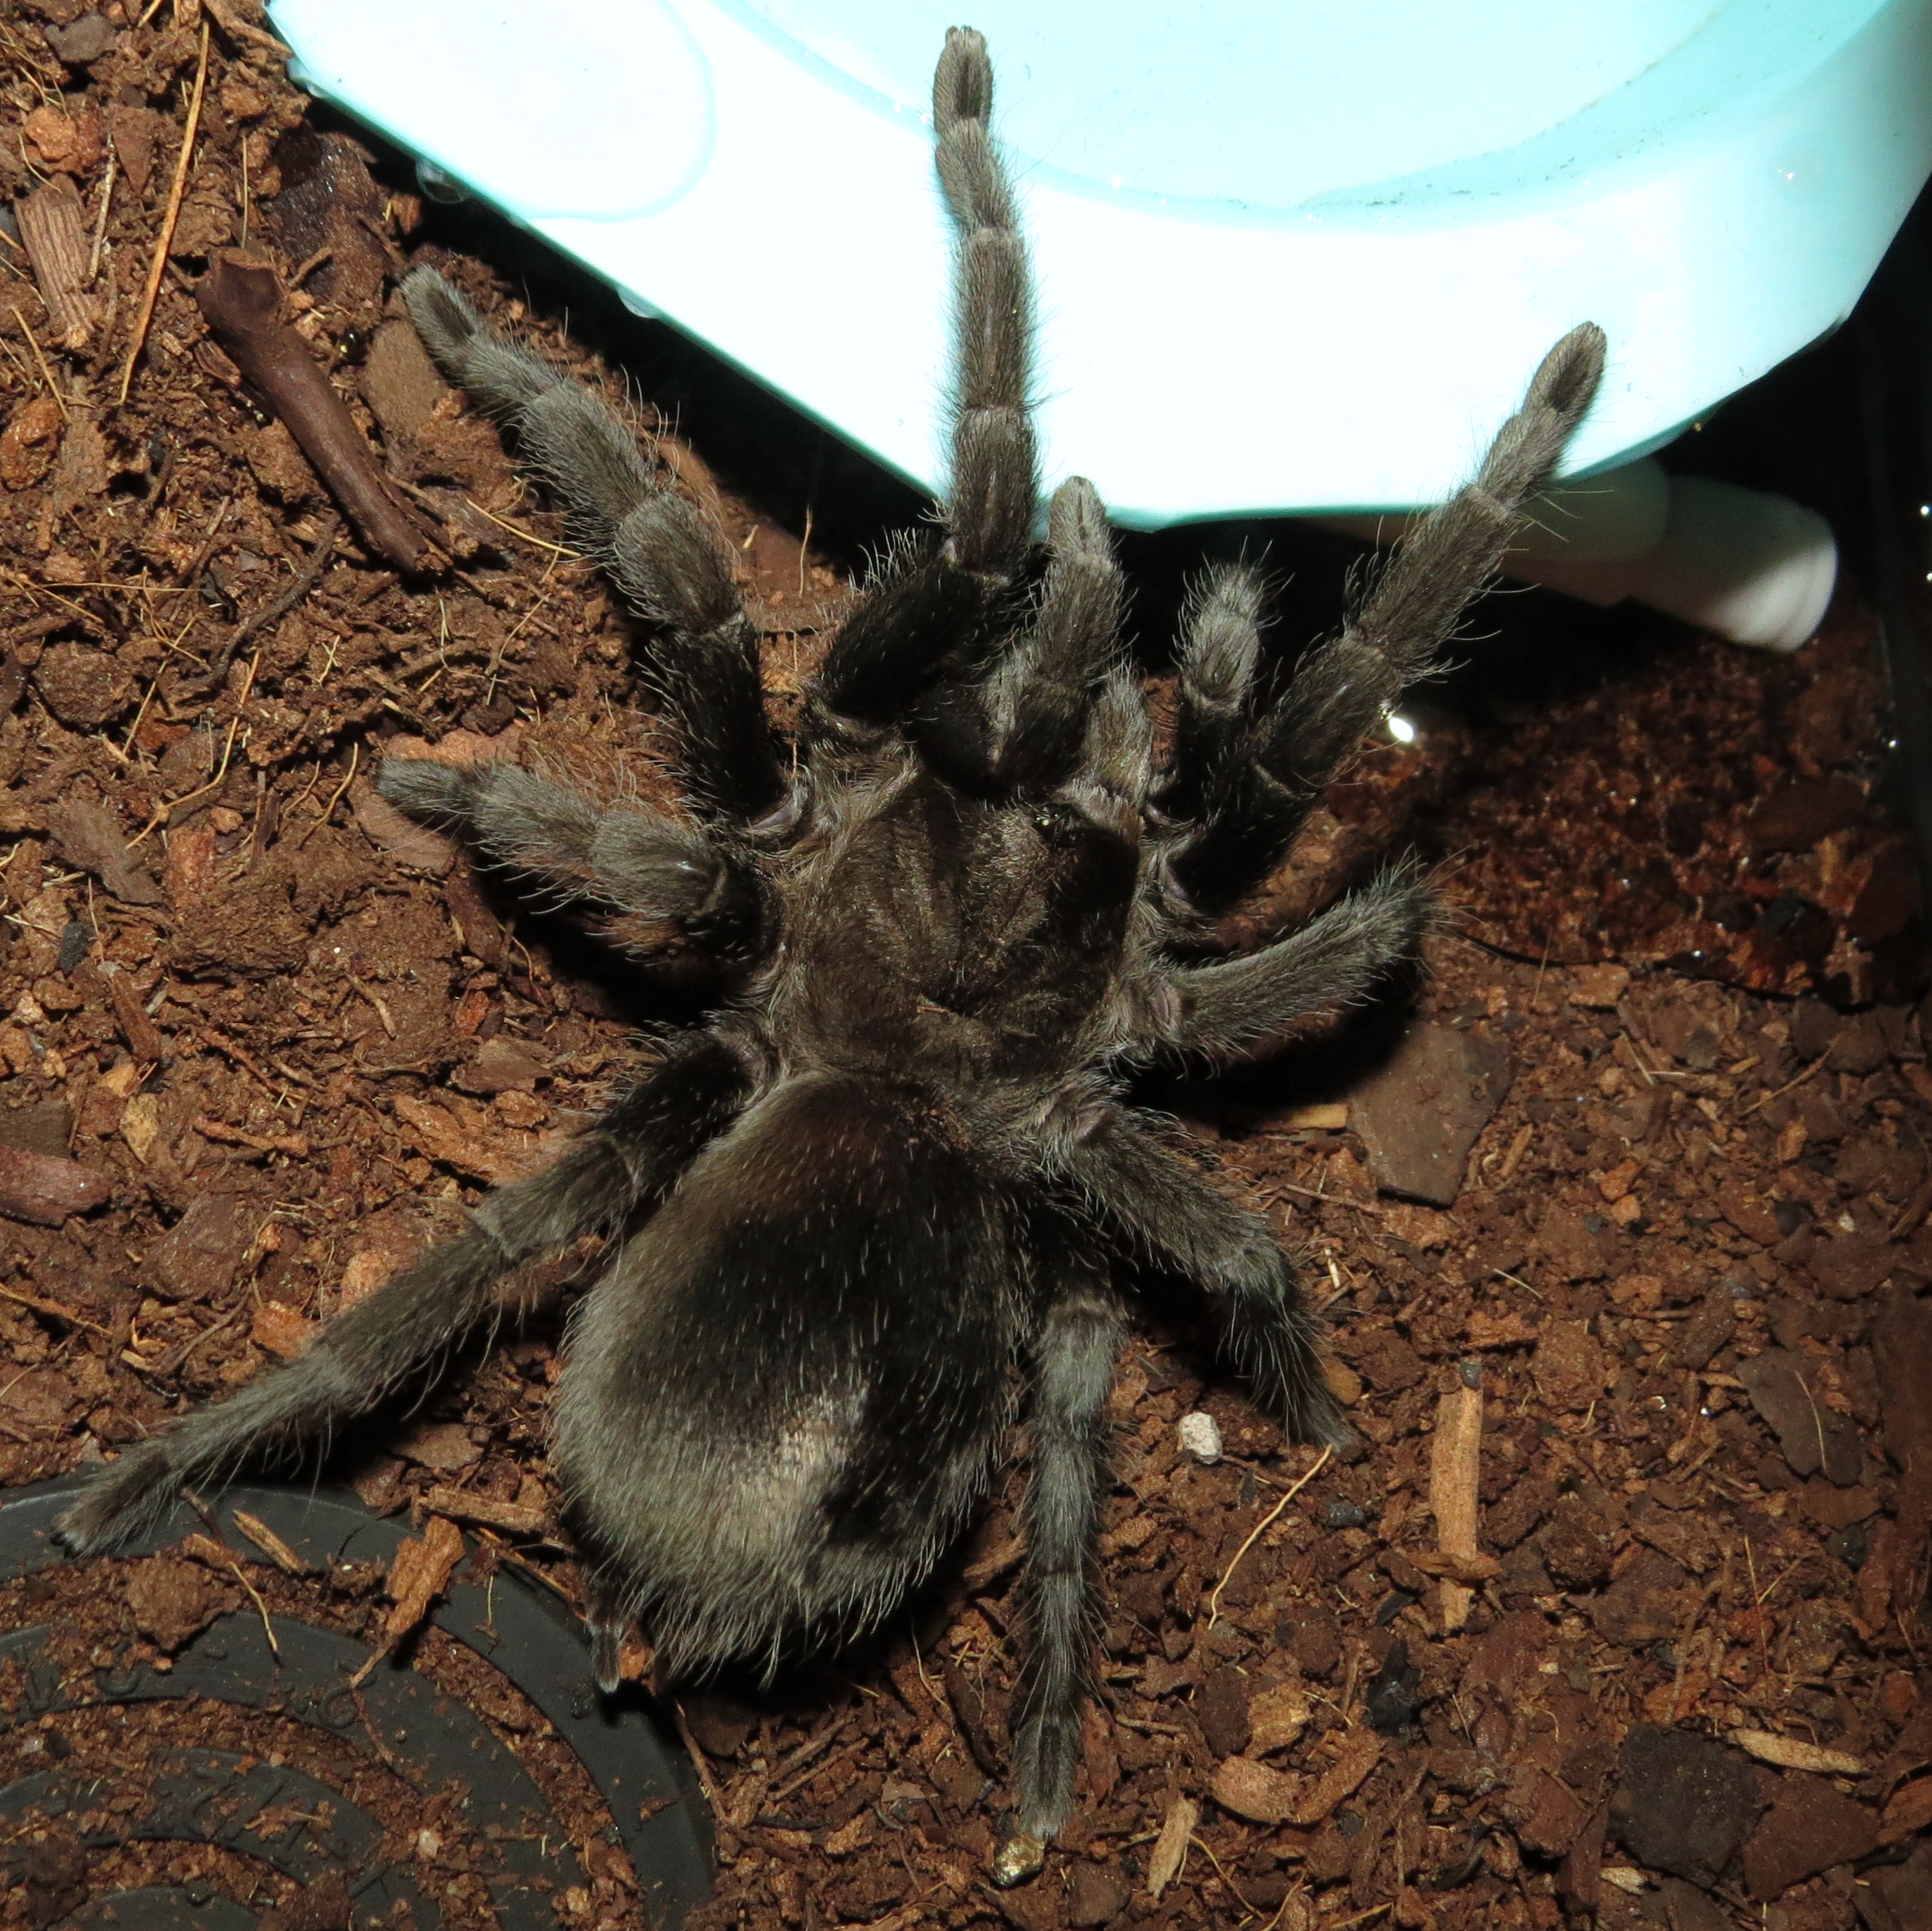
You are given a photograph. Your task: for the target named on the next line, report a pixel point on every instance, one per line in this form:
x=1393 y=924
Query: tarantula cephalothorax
x=888 y=1171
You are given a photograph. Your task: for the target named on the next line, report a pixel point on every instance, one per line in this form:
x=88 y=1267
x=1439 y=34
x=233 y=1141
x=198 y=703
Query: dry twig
x=138 y=337
x=242 y=302
x=1455 y=1472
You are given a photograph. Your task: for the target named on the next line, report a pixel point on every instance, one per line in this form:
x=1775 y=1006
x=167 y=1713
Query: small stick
x=267 y=1627
x=1454 y=1470
x=54 y=1309
x=53 y=387
x=101 y=224
x=138 y=341
x=242 y=302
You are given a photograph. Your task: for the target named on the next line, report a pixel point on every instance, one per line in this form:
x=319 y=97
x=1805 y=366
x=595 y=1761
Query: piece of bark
x=270 y=1543
x=53 y=230
x=35 y=1187
x=89 y=836
x=242 y=302
x=143 y=1036
x=1170 y=1849
x=420 y=1573
x=515 y=1518
x=1455 y=1472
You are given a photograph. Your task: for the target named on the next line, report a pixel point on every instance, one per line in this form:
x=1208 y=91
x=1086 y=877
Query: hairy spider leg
x=1246 y=782
x=1335 y=961
x=631 y=1157
x=1125 y=1177
x=661 y=885
x=655 y=545
x=1018 y=721
x=996 y=693
x=1073 y=1356
x=995 y=473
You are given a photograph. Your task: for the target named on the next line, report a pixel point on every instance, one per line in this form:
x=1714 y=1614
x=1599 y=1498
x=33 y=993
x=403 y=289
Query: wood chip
x=437 y=1135
x=90 y=836
x=1263 y=1796
x=1787 y=1753
x=53 y=230
x=299 y=1145
x=37 y=1187
x=1361 y=1750
x=270 y=1543
x=512 y=1517
x=1170 y=1850
x=242 y=301
x=281 y=1330
x=1455 y=1471
x=1253 y=1792
x=419 y=1573
x=1908 y=1812
x=143 y=1036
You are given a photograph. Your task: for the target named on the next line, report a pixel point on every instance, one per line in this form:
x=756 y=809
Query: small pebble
x=1200 y=1436
x=1344 y=1515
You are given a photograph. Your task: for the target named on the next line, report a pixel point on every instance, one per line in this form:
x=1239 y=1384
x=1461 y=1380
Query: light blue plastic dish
x=1293 y=255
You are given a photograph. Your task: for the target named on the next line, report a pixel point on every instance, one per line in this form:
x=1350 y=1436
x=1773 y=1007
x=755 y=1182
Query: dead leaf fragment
x=1170 y=1850
x=270 y=1543
x=70 y=143
x=1252 y=1791
x=1788 y=1753
x=1277 y=1716
x=1361 y=1750
x=1908 y=1813
x=281 y=1329
x=140 y=1125
x=443 y=1445
x=90 y=836
x=29 y=441
x=437 y=1135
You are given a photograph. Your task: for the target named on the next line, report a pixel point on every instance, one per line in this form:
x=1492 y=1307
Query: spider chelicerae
x=871 y=1207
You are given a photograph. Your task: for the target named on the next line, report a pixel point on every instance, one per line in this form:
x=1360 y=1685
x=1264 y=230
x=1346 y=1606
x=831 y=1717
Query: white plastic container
x=1294 y=255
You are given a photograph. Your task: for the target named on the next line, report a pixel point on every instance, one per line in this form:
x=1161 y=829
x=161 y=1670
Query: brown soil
x=294 y=1037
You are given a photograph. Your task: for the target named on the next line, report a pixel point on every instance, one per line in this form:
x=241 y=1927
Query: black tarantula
x=888 y=1172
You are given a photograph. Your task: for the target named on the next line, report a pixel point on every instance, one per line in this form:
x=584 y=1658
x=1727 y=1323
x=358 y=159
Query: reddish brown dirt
x=293 y=1039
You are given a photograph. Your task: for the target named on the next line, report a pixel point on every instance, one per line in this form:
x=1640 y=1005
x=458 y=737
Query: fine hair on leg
x=1072 y=1369
x=633 y=1155
x=659 y=550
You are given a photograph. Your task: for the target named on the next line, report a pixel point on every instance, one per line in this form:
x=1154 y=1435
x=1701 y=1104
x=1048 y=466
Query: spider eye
x=1400 y=728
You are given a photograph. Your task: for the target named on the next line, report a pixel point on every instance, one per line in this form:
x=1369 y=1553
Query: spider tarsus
x=1568 y=377
x=1020 y=1856
x=962 y=83
x=425 y=788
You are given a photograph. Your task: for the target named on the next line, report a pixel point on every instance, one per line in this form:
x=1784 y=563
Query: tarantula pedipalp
x=891 y=1167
